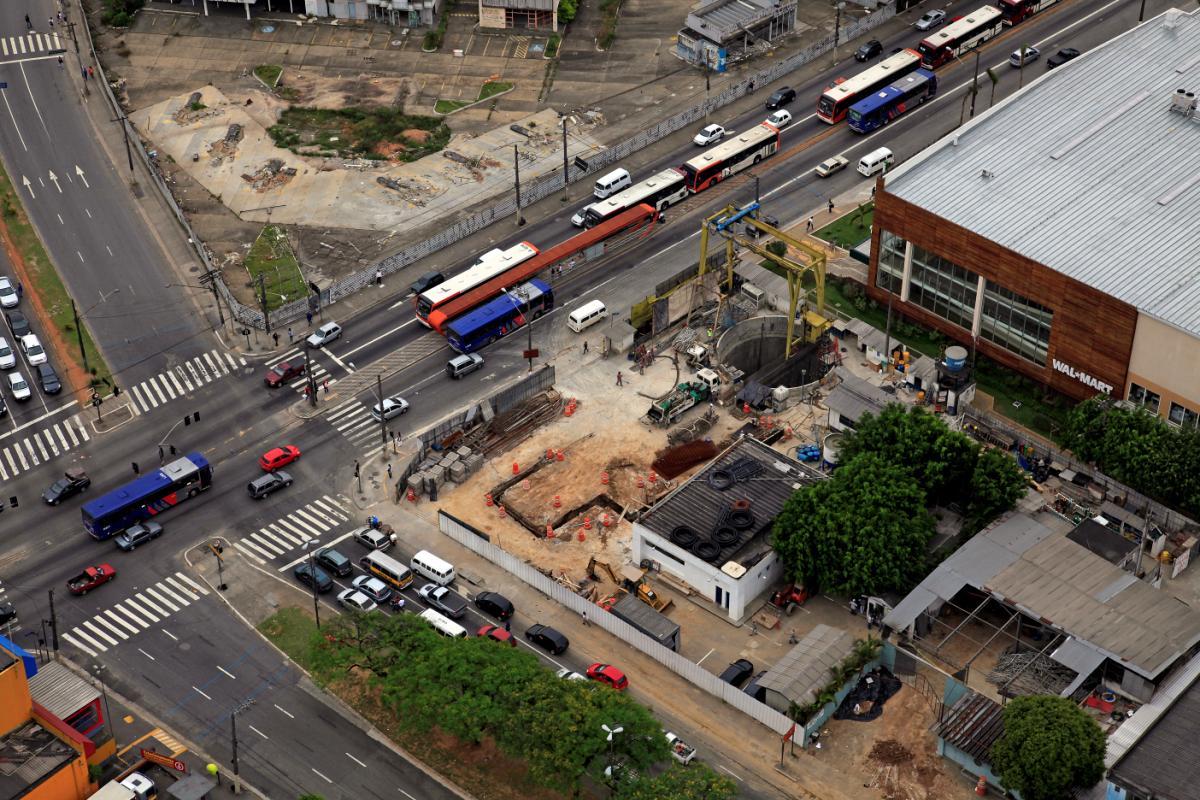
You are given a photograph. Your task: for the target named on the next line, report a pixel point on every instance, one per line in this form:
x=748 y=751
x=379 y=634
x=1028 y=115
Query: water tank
x=830 y=448
x=956 y=357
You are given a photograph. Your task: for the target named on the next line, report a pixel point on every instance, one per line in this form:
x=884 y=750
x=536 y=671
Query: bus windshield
x=147 y=495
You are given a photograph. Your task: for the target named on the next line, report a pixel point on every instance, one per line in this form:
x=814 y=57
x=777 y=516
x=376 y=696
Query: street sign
x=163 y=761
x=580 y=164
x=530 y=353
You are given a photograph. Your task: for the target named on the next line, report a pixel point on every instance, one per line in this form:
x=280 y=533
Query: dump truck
x=666 y=410
x=90 y=578
x=645 y=619
x=681 y=751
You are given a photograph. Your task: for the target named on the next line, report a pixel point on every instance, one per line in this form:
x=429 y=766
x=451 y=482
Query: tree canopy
x=997 y=483
x=693 y=782
x=1049 y=748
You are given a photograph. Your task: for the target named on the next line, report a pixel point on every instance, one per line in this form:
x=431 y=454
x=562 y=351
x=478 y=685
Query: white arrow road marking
x=79 y=172
x=28 y=185
x=54 y=180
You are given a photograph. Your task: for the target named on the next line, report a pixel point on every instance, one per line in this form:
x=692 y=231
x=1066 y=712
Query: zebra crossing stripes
x=42 y=446
x=353 y=420
x=30 y=43
x=289 y=533
x=182 y=379
x=133 y=615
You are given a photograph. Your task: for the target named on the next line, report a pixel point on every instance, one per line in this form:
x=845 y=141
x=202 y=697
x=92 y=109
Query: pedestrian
x=308 y=316
x=379 y=278
x=20 y=290
x=60 y=62
x=507 y=625
x=160 y=455
x=52 y=23
x=389 y=466
x=584 y=615
x=275 y=335
x=831 y=205
x=136 y=469
x=584 y=341
x=28 y=24
x=619 y=383
x=83 y=70
x=325 y=385
x=809 y=227
x=291 y=336
x=872 y=192
x=91 y=74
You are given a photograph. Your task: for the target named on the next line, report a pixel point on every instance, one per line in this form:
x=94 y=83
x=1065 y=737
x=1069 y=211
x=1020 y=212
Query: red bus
x=1016 y=11
x=960 y=36
x=636 y=222
x=731 y=156
x=486 y=267
x=835 y=101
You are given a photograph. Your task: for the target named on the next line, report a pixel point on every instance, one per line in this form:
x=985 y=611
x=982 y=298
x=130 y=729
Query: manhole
x=267 y=29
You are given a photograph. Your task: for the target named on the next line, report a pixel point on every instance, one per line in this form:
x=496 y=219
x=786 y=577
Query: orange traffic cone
x=549 y=453
x=641 y=482
x=557 y=501
x=559 y=455
x=412 y=496
x=582 y=536
x=587 y=523
x=503 y=513
x=653 y=477
x=604 y=478
x=516 y=469
x=487 y=500
x=549 y=531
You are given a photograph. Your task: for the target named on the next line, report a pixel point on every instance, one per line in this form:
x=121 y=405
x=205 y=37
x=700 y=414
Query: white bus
x=488 y=266
x=960 y=36
x=659 y=191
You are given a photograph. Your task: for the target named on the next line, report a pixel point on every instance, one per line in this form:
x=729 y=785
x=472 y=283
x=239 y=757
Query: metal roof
x=1132 y=729
x=804 y=671
x=61 y=691
x=1105 y=182
x=854 y=396
x=973 y=725
x=721 y=19
x=1163 y=763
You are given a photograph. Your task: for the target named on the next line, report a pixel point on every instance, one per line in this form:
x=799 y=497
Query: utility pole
x=53 y=625
x=383 y=433
x=210 y=278
x=517 y=178
x=566 y=166
x=310 y=378
x=529 y=328
x=237 y=781
x=125 y=130
x=262 y=299
x=358 y=474
x=79 y=336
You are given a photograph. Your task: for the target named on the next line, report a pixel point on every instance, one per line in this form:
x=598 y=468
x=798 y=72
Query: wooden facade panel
x=1091 y=331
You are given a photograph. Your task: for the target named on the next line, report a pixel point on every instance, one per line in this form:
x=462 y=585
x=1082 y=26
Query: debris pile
x=890 y=752
x=271 y=175
x=675 y=461
x=409 y=192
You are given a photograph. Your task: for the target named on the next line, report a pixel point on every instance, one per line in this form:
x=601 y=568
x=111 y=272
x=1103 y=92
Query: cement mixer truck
x=665 y=411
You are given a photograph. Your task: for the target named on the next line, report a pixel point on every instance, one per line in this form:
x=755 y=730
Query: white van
x=875 y=161
x=443 y=625
x=586 y=315
x=427 y=564
x=612 y=183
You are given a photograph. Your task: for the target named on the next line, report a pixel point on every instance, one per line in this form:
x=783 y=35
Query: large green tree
x=997 y=483
x=1049 y=748
x=693 y=782
x=863 y=531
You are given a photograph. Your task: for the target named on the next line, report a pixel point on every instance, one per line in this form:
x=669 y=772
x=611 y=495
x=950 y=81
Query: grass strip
x=271 y=256
x=849 y=229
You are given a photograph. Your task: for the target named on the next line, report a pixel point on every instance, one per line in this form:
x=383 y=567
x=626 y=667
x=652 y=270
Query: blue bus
x=496 y=318
x=145 y=496
x=891 y=101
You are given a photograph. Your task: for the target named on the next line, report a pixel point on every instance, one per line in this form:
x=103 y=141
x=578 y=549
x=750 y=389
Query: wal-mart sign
x=1082 y=377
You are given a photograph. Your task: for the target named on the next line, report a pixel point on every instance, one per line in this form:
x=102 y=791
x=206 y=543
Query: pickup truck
x=90 y=578
x=450 y=603
x=680 y=750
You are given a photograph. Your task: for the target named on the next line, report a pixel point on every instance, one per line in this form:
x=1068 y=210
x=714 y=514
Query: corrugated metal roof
x=805 y=669
x=1132 y=729
x=973 y=725
x=1103 y=184
x=60 y=690
x=854 y=396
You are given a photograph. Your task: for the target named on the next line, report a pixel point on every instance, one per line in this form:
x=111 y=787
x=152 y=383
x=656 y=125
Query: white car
x=353 y=598
x=569 y=674
x=325 y=334
x=710 y=135
x=780 y=118
x=34 y=352
x=830 y=166
x=17 y=385
x=1026 y=55
x=373 y=588
x=7 y=359
x=392 y=407
x=579 y=216
x=931 y=19
x=8 y=294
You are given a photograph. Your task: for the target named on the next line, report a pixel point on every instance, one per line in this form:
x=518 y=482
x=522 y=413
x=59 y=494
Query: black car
x=8 y=613
x=547 y=638
x=426 y=282
x=737 y=672
x=305 y=575
x=18 y=323
x=495 y=604
x=868 y=50
x=1061 y=57
x=759 y=693
x=781 y=97
x=49 y=378
x=3 y=407
x=334 y=561
x=71 y=483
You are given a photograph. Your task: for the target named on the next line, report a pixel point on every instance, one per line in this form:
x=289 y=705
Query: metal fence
x=699 y=677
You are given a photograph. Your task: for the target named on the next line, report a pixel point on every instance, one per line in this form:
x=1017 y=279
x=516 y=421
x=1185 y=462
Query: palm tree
x=994 y=78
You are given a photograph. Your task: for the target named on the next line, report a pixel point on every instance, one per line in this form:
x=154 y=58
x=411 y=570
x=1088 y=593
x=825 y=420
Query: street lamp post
x=311 y=546
x=104 y=695
x=611 y=732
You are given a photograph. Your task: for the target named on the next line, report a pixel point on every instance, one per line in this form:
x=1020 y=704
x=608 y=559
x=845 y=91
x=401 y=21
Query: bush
x=552 y=46
x=567 y=9
x=119 y=13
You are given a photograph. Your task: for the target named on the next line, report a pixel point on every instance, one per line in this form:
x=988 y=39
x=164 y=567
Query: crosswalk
x=30 y=43
x=288 y=533
x=182 y=379
x=134 y=614
x=41 y=446
x=352 y=419
x=321 y=375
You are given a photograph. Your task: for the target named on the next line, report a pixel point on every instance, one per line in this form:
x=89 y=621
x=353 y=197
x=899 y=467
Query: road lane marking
x=281 y=709
x=153 y=617
x=260 y=733
x=706 y=655
x=383 y=335
x=734 y=774
x=120 y=621
x=202 y=694
x=314 y=769
x=150 y=590
x=406 y=794
x=168 y=633
x=191 y=583
x=179 y=587
x=147 y=655
x=71 y=640
x=337 y=360
x=355 y=760
x=162 y=587
x=227 y=672
x=96 y=630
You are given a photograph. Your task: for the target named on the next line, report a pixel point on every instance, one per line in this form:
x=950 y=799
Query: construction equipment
x=664 y=412
x=591 y=570
x=789 y=597
x=633 y=580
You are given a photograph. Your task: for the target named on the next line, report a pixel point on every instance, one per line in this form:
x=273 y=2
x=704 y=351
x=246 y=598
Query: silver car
x=19 y=386
x=325 y=334
x=392 y=407
x=138 y=534
x=7 y=359
x=353 y=598
x=8 y=294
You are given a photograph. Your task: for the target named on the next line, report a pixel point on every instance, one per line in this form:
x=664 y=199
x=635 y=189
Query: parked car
x=333 y=561
x=497 y=605
x=353 y=598
x=17 y=385
x=548 y=639
x=8 y=293
x=496 y=634
x=830 y=166
x=780 y=118
x=781 y=97
x=1061 y=57
x=373 y=539
x=17 y=323
x=566 y=673
x=283 y=372
x=308 y=575
x=392 y=407
x=266 y=484
x=373 y=588
x=8 y=359
x=711 y=134
x=930 y=20
x=447 y=601
x=325 y=334
x=1023 y=57
x=737 y=672
x=609 y=676
x=32 y=348
x=49 y=379
x=73 y=481
x=138 y=534
x=754 y=690
x=278 y=457
x=869 y=50
x=426 y=282
x=753 y=232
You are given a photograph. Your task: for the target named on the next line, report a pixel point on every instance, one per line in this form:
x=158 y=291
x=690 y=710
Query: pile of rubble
x=271 y=175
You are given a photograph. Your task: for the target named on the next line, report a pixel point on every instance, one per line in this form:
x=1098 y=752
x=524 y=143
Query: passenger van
x=443 y=625
x=387 y=569
x=875 y=161
x=612 y=183
x=427 y=564
x=586 y=315
x=463 y=365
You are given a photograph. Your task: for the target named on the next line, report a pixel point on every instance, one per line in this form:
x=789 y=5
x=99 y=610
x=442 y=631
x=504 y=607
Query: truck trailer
x=645 y=619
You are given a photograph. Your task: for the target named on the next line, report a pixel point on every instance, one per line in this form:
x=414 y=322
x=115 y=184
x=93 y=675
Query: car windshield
x=5 y=350
x=280 y=369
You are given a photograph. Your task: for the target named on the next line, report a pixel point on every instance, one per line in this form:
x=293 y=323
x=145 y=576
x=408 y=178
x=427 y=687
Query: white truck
x=681 y=751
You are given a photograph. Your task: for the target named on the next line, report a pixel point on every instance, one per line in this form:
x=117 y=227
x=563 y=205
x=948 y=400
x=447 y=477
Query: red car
x=609 y=675
x=283 y=372
x=498 y=634
x=278 y=457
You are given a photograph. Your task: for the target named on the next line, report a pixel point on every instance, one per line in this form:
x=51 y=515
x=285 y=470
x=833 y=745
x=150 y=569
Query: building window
x=1016 y=323
x=943 y=288
x=890 y=274
x=1181 y=415
x=1144 y=397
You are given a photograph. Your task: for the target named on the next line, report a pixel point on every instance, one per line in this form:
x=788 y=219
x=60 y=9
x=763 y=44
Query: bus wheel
x=758 y=158
x=193 y=492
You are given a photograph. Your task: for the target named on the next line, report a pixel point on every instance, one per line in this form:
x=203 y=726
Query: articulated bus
x=835 y=101
x=147 y=495
x=1017 y=11
x=494 y=320
x=490 y=264
x=637 y=222
x=960 y=36
x=660 y=191
x=731 y=156
x=890 y=102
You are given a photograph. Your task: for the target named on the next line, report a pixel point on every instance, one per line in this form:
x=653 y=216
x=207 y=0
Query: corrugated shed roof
x=1165 y=763
x=1105 y=182
x=1132 y=729
x=527 y=5
x=973 y=725
x=805 y=669
x=60 y=690
x=854 y=396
